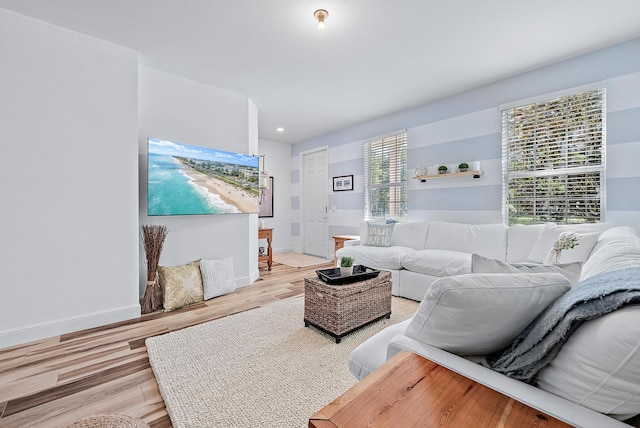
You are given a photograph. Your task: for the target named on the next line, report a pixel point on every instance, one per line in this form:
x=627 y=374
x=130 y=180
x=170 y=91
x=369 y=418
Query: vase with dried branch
x=153 y=237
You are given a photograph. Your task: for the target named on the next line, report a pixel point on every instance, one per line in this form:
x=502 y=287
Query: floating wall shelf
x=423 y=178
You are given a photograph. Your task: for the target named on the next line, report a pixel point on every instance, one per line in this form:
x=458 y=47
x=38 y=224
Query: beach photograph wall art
x=190 y=180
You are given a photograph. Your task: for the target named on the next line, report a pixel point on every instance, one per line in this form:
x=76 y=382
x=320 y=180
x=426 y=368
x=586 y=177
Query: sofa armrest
x=546 y=402
x=351 y=242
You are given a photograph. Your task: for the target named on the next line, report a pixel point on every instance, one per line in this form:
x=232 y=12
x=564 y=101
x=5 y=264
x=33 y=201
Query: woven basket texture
x=342 y=308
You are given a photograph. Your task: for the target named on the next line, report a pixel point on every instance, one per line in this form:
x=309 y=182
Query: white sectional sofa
x=420 y=253
x=593 y=380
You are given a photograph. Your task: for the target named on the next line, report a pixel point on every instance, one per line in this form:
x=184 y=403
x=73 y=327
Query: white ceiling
x=375 y=57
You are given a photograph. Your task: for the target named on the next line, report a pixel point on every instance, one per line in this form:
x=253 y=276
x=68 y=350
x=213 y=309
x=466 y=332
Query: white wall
x=177 y=109
x=68 y=181
x=278 y=165
x=467 y=127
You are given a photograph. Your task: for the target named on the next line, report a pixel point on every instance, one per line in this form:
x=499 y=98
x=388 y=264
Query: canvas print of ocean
x=192 y=180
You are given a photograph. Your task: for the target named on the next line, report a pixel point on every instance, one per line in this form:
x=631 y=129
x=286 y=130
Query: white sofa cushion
x=375 y=257
x=437 y=262
x=544 y=244
x=520 y=240
x=599 y=366
x=489 y=240
x=617 y=248
x=478 y=314
x=412 y=234
x=480 y=264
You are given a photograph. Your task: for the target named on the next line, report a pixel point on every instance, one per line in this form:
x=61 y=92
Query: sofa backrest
x=617 y=248
x=411 y=234
x=487 y=240
x=520 y=240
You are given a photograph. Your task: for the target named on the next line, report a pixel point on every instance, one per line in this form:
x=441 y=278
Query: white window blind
x=554 y=160
x=385 y=171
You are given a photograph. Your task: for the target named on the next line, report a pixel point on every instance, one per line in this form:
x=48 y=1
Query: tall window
x=553 y=157
x=385 y=178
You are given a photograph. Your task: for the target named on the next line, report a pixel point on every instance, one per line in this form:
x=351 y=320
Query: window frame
x=398 y=179
x=567 y=172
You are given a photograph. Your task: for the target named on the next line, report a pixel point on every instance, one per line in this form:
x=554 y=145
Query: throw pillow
x=477 y=314
x=379 y=235
x=545 y=242
x=217 y=277
x=182 y=285
x=571 y=247
x=480 y=264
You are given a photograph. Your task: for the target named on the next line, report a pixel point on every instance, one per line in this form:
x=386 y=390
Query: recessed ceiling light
x=280 y=129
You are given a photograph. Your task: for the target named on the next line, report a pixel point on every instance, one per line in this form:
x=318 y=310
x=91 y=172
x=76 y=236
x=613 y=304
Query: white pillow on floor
x=217 y=277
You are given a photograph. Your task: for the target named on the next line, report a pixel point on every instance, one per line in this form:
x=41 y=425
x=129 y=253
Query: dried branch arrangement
x=153 y=237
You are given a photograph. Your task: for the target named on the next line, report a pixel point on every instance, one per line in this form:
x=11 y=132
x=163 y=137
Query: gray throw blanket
x=540 y=342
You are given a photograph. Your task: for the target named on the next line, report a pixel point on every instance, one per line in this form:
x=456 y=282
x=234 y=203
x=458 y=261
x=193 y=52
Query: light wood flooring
x=59 y=380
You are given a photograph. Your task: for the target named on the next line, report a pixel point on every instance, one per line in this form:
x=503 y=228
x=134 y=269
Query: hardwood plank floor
x=59 y=380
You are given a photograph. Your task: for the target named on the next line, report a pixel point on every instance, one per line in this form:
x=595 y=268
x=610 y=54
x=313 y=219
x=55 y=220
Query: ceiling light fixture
x=321 y=15
x=280 y=129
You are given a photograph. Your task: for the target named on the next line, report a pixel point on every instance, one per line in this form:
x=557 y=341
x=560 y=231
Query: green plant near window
x=442 y=169
x=346 y=261
x=463 y=167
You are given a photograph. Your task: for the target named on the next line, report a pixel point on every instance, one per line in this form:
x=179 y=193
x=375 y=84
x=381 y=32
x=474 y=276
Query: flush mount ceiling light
x=321 y=15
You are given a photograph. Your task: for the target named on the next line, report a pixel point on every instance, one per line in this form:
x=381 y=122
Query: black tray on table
x=360 y=273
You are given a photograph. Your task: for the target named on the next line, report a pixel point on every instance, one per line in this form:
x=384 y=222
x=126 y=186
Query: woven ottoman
x=340 y=309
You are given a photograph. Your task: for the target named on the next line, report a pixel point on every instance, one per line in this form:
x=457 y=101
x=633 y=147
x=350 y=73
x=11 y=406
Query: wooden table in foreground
x=411 y=391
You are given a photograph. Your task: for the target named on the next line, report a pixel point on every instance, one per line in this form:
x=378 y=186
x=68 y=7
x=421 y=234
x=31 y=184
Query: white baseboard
x=33 y=332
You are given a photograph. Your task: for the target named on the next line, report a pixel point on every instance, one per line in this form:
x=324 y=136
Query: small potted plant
x=463 y=167
x=442 y=169
x=346 y=266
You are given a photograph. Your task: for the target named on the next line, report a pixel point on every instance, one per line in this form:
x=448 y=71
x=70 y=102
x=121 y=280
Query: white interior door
x=314 y=203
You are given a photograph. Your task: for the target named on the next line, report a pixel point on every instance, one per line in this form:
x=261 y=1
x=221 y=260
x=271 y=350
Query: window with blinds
x=385 y=177
x=553 y=156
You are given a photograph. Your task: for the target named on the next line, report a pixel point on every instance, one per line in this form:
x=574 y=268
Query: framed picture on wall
x=341 y=183
x=265 y=201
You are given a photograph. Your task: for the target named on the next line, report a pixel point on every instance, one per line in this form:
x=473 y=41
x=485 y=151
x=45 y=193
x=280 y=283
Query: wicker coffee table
x=340 y=309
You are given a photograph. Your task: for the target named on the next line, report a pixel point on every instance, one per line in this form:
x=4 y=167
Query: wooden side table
x=267 y=234
x=338 y=241
x=411 y=391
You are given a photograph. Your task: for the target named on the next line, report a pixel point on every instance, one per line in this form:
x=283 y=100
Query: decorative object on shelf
x=344 y=182
x=442 y=169
x=463 y=167
x=346 y=266
x=424 y=178
x=422 y=170
x=265 y=200
x=153 y=236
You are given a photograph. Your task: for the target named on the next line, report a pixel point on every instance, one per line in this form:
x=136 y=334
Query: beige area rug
x=257 y=368
x=109 y=421
x=298 y=259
